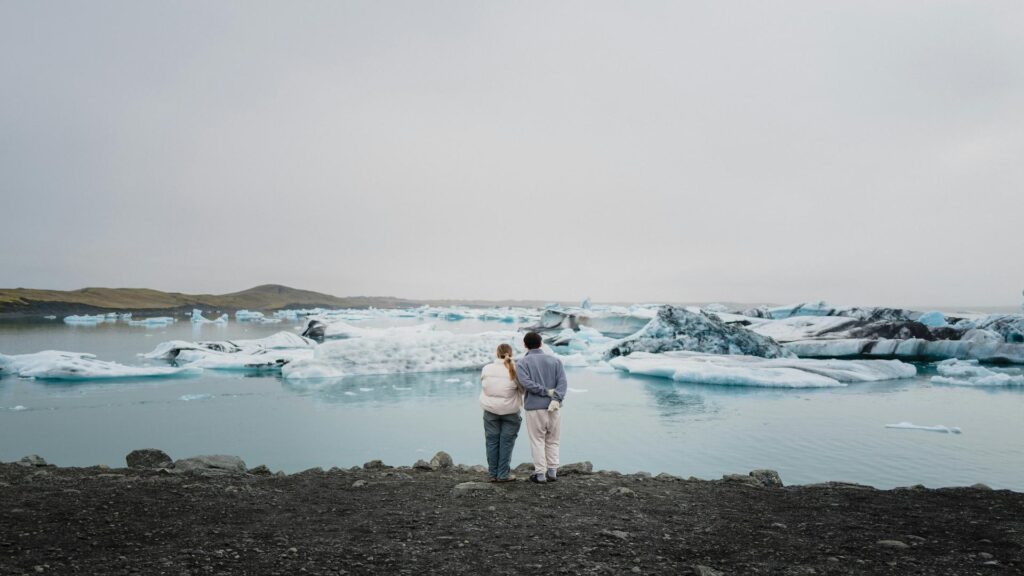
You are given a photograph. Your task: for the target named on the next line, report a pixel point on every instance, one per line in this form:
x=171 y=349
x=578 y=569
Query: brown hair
x=505 y=353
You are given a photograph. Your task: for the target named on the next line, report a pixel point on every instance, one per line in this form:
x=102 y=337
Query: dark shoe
x=551 y=478
x=492 y=479
x=511 y=478
x=537 y=479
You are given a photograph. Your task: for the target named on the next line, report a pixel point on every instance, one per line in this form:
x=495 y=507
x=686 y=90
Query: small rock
x=397 y=475
x=441 y=461
x=524 y=468
x=767 y=478
x=359 y=483
x=642 y=475
x=478 y=469
x=635 y=569
x=700 y=570
x=32 y=460
x=210 y=465
x=980 y=486
x=422 y=465
x=779 y=525
x=743 y=479
x=990 y=563
x=260 y=470
x=619 y=534
x=470 y=488
x=832 y=559
x=663 y=477
x=985 y=555
x=621 y=491
x=375 y=465
x=148 y=459
x=893 y=544
x=582 y=468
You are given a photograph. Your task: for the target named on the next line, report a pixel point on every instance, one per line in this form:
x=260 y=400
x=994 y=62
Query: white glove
x=551 y=392
x=554 y=406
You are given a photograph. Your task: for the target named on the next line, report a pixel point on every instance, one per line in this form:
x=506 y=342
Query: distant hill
x=28 y=301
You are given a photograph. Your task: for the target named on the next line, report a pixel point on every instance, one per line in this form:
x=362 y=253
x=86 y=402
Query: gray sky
x=859 y=152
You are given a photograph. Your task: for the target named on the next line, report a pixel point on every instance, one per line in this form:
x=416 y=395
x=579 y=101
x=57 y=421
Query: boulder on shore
x=441 y=461
x=148 y=459
x=32 y=461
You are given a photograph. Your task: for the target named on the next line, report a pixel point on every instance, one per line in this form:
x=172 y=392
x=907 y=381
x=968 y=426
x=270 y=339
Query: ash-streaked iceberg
x=614 y=322
x=321 y=329
x=399 y=353
x=913 y=349
x=270 y=353
x=737 y=370
x=674 y=328
x=57 y=365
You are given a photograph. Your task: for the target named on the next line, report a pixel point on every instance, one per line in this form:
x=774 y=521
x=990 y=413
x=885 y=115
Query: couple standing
x=537 y=382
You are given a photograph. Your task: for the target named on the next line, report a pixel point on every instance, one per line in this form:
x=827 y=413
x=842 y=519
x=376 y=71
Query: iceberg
x=155 y=322
x=400 y=352
x=270 y=353
x=736 y=370
x=197 y=318
x=247 y=316
x=613 y=322
x=320 y=329
x=675 y=328
x=57 y=365
x=938 y=428
x=933 y=319
x=85 y=320
x=914 y=349
x=971 y=373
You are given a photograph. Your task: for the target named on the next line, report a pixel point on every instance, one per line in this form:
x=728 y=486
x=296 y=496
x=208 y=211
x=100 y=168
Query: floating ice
x=191 y=397
x=247 y=316
x=916 y=349
x=937 y=428
x=155 y=322
x=613 y=322
x=676 y=328
x=85 y=320
x=399 y=353
x=971 y=373
x=50 y=317
x=453 y=380
x=268 y=353
x=17 y=408
x=321 y=329
x=197 y=318
x=738 y=370
x=56 y=365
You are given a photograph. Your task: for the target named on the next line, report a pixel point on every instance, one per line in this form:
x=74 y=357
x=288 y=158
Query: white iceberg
x=937 y=428
x=57 y=365
x=736 y=370
x=155 y=322
x=197 y=318
x=971 y=373
x=321 y=329
x=85 y=320
x=399 y=353
x=247 y=316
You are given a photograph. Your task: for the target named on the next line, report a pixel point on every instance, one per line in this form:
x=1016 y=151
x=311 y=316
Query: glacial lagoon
x=616 y=420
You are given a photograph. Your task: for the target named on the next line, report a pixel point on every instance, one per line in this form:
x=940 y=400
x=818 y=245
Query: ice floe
x=936 y=428
x=85 y=320
x=193 y=397
x=400 y=353
x=197 y=318
x=614 y=322
x=321 y=329
x=674 y=328
x=736 y=370
x=971 y=373
x=154 y=322
x=57 y=365
x=916 y=349
x=270 y=353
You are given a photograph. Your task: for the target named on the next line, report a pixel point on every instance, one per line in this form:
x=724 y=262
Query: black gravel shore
x=382 y=520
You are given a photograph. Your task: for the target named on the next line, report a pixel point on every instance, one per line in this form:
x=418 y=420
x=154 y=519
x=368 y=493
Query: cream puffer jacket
x=500 y=394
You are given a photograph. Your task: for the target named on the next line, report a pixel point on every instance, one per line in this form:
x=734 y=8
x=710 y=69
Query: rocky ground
x=215 y=517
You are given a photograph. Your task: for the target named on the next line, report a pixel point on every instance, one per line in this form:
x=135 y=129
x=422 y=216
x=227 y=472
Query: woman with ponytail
x=501 y=398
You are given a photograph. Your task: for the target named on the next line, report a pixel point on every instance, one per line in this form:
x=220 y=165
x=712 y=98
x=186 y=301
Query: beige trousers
x=544 y=428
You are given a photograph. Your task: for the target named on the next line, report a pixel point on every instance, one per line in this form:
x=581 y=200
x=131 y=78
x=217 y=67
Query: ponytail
x=505 y=353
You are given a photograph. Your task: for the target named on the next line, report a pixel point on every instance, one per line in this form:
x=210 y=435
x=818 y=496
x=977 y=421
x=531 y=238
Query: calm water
x=619 y=422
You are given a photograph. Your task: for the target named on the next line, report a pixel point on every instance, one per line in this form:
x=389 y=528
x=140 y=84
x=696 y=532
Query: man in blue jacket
x=543 y=377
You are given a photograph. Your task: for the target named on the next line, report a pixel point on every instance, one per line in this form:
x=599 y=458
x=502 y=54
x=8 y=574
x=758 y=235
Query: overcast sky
x=858 y=152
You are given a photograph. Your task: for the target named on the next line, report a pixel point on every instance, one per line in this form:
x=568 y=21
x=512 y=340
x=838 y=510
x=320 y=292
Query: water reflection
x=421 y=388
